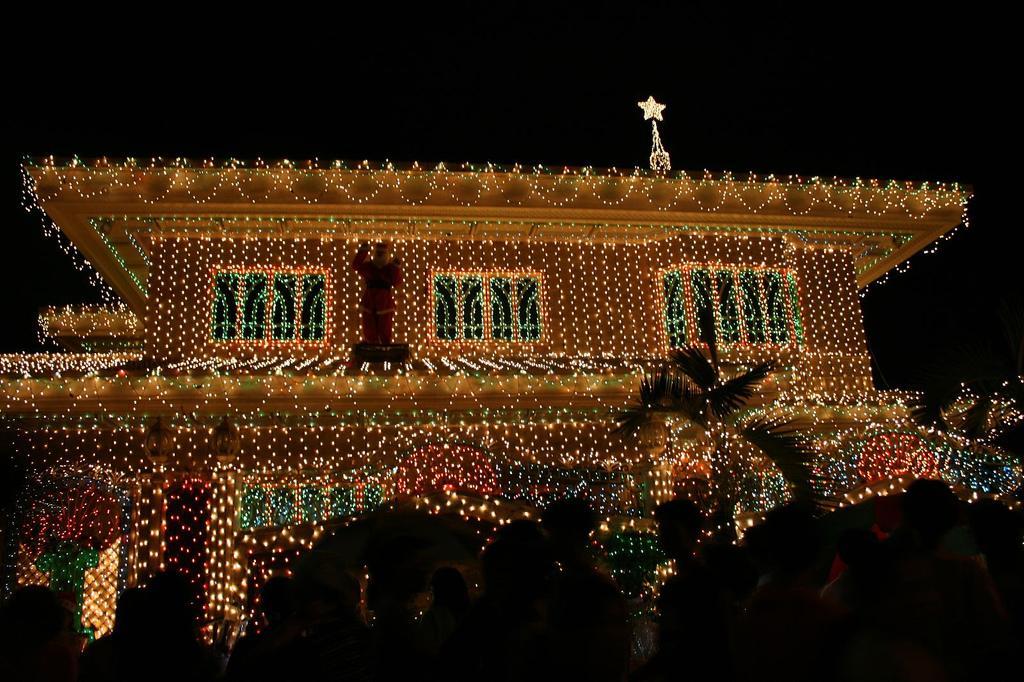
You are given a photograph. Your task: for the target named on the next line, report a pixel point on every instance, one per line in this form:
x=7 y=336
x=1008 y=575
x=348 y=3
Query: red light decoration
x=65 y=528
x=78 y=513
x=448 y=467
x=887 y=455
x=186 y=533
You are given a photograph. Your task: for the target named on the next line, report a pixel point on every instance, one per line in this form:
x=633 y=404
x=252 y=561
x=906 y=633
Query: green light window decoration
x=342 y=502
x=283 y=310
x=753 y=313
x=778 y=320
x=282 y=506
x=675 y=309
x=446 y=320
x=528 y=300
x=311 y=504
x=794 y=308
x=254 y=305
x=472 y=291
x=501 y=309
x=225 y=307
x=479 y=306
x=272 y=504
x=254 y=507
x=703 y=303
x=753 y=306
x=728 y=311
x=313 y=327
x=373 y=496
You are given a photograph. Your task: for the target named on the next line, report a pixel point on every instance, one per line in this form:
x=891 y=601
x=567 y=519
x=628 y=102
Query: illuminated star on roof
x=651 y=109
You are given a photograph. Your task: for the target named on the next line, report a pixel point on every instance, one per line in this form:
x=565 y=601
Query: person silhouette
x=334 y=642
x=942 y=604
x=788 y=631
x=588 y=616
x=36 y=637
x=568 y=525
x=695 y=611
x=503 y=636
x=170 y=647
x=999 y=534
x=111 y=657
x=448 y=607
x=256 y=655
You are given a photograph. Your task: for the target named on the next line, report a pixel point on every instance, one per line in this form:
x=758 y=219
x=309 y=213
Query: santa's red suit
x=378 y=301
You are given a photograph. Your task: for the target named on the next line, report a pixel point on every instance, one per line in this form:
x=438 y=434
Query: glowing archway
x=447 y=466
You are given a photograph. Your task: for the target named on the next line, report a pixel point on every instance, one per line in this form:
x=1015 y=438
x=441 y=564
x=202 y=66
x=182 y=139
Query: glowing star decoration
x=660 y=161
x=652 y=109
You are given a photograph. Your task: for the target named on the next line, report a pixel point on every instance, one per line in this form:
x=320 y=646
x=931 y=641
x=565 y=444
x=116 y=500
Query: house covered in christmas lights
x=213 y=419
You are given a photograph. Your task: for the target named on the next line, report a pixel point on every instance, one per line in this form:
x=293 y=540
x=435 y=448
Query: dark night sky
x=839 y=89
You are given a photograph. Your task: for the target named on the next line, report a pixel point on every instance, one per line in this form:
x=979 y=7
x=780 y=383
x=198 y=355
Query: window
x=269 y=305
x=266 y=504
x=743 y=305
x=477 y=306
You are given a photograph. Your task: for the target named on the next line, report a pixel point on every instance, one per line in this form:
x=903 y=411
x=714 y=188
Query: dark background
x=917 y=92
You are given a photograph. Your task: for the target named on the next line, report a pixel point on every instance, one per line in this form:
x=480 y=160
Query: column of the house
x=224 y=568
x=191 y=517
x=146 y=555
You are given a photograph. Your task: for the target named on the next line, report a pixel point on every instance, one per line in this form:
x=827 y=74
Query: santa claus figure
x=381 y=272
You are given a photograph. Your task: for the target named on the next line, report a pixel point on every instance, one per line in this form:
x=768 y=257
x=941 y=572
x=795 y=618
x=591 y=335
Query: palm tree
x=977 y=396
x=696 y=389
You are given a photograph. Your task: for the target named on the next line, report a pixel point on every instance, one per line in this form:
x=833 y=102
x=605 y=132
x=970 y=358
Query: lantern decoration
x=159 y=442
x=653 y=437
x=225 y=442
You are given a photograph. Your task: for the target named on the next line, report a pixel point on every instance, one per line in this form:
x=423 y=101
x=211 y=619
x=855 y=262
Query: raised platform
x=375 y=352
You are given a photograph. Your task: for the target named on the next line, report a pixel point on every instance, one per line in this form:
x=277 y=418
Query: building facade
x=212 y=419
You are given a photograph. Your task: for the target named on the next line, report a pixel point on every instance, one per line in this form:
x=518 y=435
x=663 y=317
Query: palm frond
x=660 y=393
x=655 y=388
x=729 y=396
x=781 y=443
x=928 y=410
x=1011 y=314
x=1011 y=441
x=975 y=419
x=1012 y=390
x=688 y=400
x=655 y=391
x=629 y=422
x=988 y=368
x=692 y=363
x=706 y=331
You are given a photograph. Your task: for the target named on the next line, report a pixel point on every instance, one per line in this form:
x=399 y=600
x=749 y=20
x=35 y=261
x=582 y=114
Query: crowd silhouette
x=784 y=602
